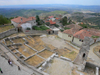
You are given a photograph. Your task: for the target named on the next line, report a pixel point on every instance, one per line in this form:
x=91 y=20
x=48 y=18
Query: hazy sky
x=75 y=2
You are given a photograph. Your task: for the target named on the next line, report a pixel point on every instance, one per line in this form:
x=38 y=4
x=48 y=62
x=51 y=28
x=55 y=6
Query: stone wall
x=65 y=36
x=7 y=33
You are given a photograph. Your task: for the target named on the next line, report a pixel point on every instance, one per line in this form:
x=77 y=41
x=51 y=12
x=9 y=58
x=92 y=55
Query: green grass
x=95 y=36
x=66 y=28
x=40 y=28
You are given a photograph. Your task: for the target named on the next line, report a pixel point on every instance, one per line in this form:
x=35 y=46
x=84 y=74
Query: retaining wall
x=7 y=33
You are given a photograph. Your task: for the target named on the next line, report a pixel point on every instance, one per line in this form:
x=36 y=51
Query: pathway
x=11 y=70
x=29 y=71
x=93 y=56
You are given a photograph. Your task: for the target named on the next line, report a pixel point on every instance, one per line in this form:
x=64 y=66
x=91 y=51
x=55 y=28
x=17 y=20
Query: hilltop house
x=22 y=23
x=76 y=34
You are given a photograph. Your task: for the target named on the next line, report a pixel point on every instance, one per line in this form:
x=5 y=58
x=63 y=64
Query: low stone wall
x=35 y=32
x=7 y=33
x=91 y=65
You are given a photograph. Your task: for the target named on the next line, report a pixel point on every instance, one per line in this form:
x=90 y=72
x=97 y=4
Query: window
x=69 y=35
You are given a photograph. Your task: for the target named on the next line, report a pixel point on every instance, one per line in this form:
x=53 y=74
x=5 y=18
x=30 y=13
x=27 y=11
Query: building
x=19 y=21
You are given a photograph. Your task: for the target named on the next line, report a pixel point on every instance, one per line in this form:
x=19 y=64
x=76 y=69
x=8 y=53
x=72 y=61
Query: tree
x=37 y=18
x=64 y=20
x=47 y=23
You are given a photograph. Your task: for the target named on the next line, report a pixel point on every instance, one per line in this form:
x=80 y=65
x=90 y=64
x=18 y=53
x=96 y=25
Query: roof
x=75 y=26
x=51 y=22
x=50 y=17
x=94 y=32
x=48 y=30
x=57 y=18
x=22 y=19
x=82 y=34
x=71 y=31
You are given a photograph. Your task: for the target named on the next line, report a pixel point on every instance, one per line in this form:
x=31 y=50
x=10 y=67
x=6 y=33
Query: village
x=51 y=45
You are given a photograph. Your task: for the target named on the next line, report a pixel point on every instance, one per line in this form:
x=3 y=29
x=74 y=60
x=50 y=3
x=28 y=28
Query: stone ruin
x=81 y=58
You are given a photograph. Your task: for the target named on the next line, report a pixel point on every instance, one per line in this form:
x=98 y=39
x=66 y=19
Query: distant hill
x=28 y=12
x=54 y=13
x=20 y=12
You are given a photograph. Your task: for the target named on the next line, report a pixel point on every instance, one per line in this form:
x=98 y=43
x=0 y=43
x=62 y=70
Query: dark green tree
x=64 y=21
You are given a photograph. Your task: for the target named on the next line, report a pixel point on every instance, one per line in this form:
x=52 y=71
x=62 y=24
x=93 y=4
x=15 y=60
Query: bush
x=40 y=28
x=61 y=30
x=56 y=25
x=44 y=27
x=28 y=28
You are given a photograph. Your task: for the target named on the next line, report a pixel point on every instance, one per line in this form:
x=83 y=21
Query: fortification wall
x=7 y=33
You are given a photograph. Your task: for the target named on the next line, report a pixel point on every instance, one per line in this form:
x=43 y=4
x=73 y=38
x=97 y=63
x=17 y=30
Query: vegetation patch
x=40 y=28
x=95 y=36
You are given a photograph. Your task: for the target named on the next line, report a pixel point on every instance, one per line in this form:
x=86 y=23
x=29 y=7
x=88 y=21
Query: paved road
x=10 y=70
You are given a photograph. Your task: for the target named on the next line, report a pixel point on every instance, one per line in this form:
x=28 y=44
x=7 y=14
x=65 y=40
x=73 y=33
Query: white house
x=20 y=21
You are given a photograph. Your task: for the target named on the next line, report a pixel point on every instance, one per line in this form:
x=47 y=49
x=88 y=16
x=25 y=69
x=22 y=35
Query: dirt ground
x=59 y=67
x=54 y=41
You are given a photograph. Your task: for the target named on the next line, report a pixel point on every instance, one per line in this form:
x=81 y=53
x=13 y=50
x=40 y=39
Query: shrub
x=28 y=28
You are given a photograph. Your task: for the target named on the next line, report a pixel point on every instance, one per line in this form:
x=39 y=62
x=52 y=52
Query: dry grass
x=18 y=34
x=2 y=29
x=62 y=52
x=14 y=51
x=45 y=54
x=72 y=55
x=26 y=51
x=97 y=48
x=19 y=40
x=18 y=54
x=51 y=47
x=3 y=42
x=31 y=42
x=34 y=61
x=38 y=40
x=8 y=42
x=10 y=47
x=38 y=47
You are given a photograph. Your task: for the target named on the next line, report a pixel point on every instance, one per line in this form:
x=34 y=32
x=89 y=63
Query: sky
x=27 y=2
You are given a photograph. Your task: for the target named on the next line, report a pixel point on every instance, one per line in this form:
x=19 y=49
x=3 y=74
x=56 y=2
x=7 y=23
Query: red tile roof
x=94 y=32
x=50 y=17
x=22 y=20
x=71 y=31
x=51 y=22
x=18 y=19
x=81 y=34
x=57 y=18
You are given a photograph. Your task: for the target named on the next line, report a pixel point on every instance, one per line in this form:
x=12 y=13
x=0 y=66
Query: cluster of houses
x=76 y=34
x=22 y=23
